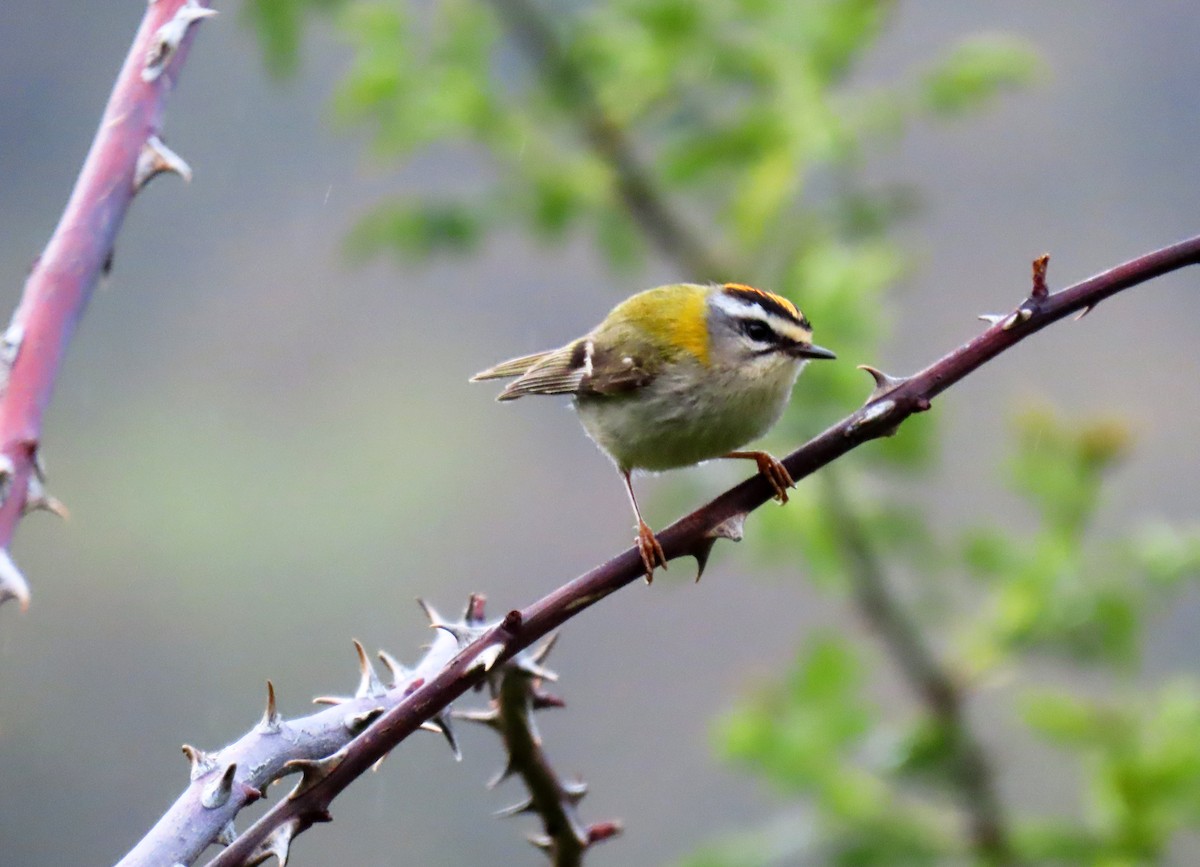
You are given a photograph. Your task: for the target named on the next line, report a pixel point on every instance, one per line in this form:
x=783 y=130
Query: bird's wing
x=577 y=368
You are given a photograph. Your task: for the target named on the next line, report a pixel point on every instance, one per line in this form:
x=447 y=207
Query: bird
x=674 y=376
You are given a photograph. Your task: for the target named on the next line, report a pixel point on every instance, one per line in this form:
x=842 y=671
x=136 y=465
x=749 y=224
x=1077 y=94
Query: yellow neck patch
x=674 y=318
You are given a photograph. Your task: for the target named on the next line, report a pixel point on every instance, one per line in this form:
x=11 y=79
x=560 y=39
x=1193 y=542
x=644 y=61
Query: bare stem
x=924 y=674
x=608 y=140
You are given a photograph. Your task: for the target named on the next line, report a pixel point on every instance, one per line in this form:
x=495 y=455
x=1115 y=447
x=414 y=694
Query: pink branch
x=125 y=153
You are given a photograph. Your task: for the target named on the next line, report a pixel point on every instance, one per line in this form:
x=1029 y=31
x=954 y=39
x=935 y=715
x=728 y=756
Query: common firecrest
x=674 y=376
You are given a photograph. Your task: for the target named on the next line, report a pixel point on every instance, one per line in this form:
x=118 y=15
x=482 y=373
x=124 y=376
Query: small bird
x=674 y=376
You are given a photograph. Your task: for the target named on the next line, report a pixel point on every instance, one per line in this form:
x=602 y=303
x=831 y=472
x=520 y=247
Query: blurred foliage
x=745 y=124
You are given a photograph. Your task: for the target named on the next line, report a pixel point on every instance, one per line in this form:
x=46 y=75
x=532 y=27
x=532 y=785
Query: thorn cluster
x=516 y=688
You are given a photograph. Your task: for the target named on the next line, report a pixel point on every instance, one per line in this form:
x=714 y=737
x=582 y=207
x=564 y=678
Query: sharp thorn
x=279 y=843
x=369 y=684
x=574 y=790
x=488 y=656
x=991 y=318
x=507 y=771
x=218 y=792
x=441 y=723
x=489 y=717
x=542 y=841
x=356 y=722
x=156 y=158
x=701 y=551
x=884 y=383
x=1084 y=312
x=396 y=669
x=201 y=762
x=312 y=771
x=271 y=721
x=12 y=582
x=525 y=806
x=539 y=653
x=168 y=37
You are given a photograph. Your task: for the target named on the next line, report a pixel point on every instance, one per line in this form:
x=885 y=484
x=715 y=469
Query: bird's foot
x=651 y=551
x=775 y=472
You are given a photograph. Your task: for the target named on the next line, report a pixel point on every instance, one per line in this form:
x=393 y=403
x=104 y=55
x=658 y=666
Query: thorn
x=539 y=653
x=279 y=843
x=167 y=38
x=700 y=551
x=312 y=771
x=156 y=158
x=379 y=762
x=507 y=771
x=441 y=725
x=395 y=668
x=884 y=383
x=218 y=792
x=271 y=721
x=1084 y=312
x=1021 y=314
x=525 y=806
x=489 y=717
x=201 y=761
x=574 y=790
x=732 y=528
x=542 y=841
x=37 y=499
x=488 y=656
x=991 y=318
x=330 y=699
x=356 y=722
x=369 y=684
x=227 y=834
x=12 y=582
x=1040 y=289
x=430 y=613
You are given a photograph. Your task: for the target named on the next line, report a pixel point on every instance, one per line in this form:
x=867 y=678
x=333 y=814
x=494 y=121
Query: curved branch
x=124 y=155
x=893 y=401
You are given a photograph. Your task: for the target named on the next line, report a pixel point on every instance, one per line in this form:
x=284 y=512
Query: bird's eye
x=758 y=331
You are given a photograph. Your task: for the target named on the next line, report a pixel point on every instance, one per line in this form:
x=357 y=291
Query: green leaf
x=976 y=72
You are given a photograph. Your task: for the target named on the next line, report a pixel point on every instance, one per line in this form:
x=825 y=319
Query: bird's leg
x=647 y=544
x=775 y=472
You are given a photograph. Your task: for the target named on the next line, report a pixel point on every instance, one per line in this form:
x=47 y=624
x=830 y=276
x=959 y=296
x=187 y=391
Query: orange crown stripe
x=778 y=299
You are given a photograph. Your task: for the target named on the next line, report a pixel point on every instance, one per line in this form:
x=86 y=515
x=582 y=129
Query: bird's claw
x=650 y=550
x=777 y=474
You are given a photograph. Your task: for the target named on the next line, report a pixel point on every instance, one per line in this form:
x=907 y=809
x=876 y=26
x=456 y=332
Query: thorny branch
x=890 y=404
x=124 y=155
x=517 y=693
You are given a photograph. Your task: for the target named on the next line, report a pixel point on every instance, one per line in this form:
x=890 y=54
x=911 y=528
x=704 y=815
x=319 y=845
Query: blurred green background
x=268 y=449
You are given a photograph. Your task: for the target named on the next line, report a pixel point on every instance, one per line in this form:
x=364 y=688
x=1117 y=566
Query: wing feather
x=512 y=367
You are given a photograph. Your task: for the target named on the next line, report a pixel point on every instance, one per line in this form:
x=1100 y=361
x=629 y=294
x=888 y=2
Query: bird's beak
x=812 y=351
